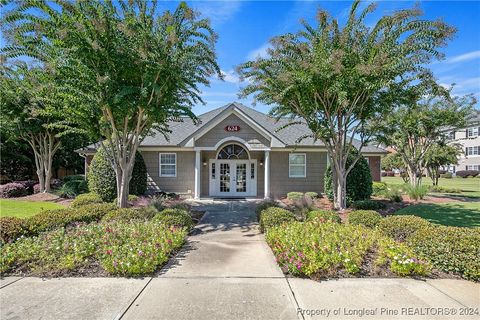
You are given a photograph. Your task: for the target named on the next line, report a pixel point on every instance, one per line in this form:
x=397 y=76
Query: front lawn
x=459 y=214
x=470 y=186
x=24 y=209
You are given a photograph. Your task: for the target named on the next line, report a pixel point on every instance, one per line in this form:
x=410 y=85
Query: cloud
x=259 y=52
x=465 y=57
x=230 y=76
x=219 y=12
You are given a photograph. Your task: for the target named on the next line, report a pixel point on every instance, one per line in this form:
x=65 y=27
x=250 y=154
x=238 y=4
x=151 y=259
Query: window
x=233 y=151
x=252 y=171
x=451 y=135
x=297 y=165
x=472 y=151
x=168 y=165
x=473 y=132
x=213 y=170
x=473 y=167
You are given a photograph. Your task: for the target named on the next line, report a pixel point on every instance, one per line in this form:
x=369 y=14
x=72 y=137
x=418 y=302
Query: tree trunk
x=341 y=192
x=44 y=146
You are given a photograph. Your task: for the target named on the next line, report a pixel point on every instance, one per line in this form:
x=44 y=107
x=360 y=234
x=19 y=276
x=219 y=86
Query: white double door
x=233 y=178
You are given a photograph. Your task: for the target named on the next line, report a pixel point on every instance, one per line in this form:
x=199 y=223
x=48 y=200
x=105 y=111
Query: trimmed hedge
x=450 y=249
x=175 y=217
x=367 y=218
x=359 y=180
x=46 y=220
x=324 y=216
x=401 y=228
x=130 y=214
x=274 y=216
x=102 y=179
x=264 y=205
x=295 y=196
x=13 y=190
x=378 y=188
x=368 y=205
x=467 y=173
x=86 y=198
x=311 y=194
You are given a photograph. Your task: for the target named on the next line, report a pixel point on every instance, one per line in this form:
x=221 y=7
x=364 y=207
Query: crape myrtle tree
x=336 y=79
x=441 y=154
x=421 y=116
x=129 y=67
x=33 y=112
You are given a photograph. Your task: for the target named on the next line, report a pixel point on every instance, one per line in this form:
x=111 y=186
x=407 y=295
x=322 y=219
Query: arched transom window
x=232 y=151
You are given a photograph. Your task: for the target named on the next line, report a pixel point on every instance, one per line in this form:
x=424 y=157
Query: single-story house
x=236 y=151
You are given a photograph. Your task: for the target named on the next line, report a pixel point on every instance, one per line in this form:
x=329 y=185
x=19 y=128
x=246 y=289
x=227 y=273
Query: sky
x=245 y=28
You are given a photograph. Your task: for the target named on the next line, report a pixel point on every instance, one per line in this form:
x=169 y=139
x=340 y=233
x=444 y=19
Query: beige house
x=237 y=152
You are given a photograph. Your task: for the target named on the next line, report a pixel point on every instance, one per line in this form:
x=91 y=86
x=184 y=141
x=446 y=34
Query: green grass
x=459 y=214
x=24 y=209
x=470 y=186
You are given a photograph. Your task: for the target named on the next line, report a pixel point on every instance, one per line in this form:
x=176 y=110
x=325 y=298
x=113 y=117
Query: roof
x=182 y=130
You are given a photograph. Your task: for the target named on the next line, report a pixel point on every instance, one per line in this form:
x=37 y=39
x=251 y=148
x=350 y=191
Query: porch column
x=267 y=175
x=197 y=175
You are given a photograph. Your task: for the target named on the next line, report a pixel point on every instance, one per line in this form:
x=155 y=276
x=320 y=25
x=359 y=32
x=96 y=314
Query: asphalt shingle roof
x=183 y=129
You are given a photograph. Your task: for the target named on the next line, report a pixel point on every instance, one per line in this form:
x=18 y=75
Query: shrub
x=102 y=179
x=119 y=248
x=78 y=177
x=444 y=189
x=295 y=196
x=359 y=180
x=86 y=198
x=11 y=228
x=416 y=192
x=130 y=214
x=447 y=175
x=324 y=216
x=393 y=194
x=368 y=205
x=367 y=218
x=264 y=205
x=274 y=216
x=311 y=194
x=467 y=173
x=72 y=188
x=175 y=217
x=378 y=188
x=36 y=188
x=130 y=198
x=28 y=184
x=401 y=228
x=12 y=190
x=450 y=249
x=328 y=249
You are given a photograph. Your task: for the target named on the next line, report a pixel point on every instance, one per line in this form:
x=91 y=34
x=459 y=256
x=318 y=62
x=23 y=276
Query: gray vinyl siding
x=281 y=183
x=246 y=133
x=183 y=183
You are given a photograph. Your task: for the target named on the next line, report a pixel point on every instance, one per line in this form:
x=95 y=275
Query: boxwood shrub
x=102 y=180
x=311 y=194
x=274 y=216
x=264 y=205
x=401 y=228
x=450 y=249
x=86 y=198
x=295 y=196
x=367 y=218
x=130 y=214
x=368 y=205
x=11 y=228
x=175 y=217
x=378 y=188
x=359 y=180
x=324 y=215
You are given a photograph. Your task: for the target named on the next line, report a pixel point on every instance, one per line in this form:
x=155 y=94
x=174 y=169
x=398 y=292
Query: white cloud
x=465 y=57
x=230 y=76
x=259 y=52
x=219 y=12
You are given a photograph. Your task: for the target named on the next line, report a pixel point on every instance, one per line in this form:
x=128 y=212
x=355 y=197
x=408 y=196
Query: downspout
x=84 y=156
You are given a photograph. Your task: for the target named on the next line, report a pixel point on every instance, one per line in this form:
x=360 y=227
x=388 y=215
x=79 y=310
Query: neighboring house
x=469 y=139
x=235 y=151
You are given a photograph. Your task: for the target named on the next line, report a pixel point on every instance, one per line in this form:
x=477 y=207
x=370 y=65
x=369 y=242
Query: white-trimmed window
x=473 y=167
x=168 y=165
x=473 y=132
x=472 y=151
x=297 y=165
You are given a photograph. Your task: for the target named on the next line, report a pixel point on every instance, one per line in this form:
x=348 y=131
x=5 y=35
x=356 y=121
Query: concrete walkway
x=227 y=271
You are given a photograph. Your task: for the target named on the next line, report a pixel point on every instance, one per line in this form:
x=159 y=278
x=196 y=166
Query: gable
x=246 y=133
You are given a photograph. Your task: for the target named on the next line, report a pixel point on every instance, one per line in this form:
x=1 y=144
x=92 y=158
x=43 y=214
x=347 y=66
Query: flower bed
x=317 y=250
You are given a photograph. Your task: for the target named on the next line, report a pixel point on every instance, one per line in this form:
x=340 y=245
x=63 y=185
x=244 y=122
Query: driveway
x=227 y=271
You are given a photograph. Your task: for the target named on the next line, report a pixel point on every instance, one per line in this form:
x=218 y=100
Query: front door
x=235 y=178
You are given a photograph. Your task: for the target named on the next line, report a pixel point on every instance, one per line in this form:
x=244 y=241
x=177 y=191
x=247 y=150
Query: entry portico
x=237 y=152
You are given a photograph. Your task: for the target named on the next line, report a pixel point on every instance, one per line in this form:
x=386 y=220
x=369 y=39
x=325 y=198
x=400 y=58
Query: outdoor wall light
x=261 y=162
x=204 y=163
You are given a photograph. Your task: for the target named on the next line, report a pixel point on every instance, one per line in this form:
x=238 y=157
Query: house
x=236 y=151
x=469 y=139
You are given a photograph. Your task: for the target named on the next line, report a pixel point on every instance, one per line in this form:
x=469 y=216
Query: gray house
x=236 y=151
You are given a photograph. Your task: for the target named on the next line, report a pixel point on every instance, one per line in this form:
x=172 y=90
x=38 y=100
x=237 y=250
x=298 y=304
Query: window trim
x=297 y=165
x=160 y=165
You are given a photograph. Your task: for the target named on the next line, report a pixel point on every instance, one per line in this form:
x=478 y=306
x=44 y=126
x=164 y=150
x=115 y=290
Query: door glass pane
x=241 y=177
x=224 y=177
